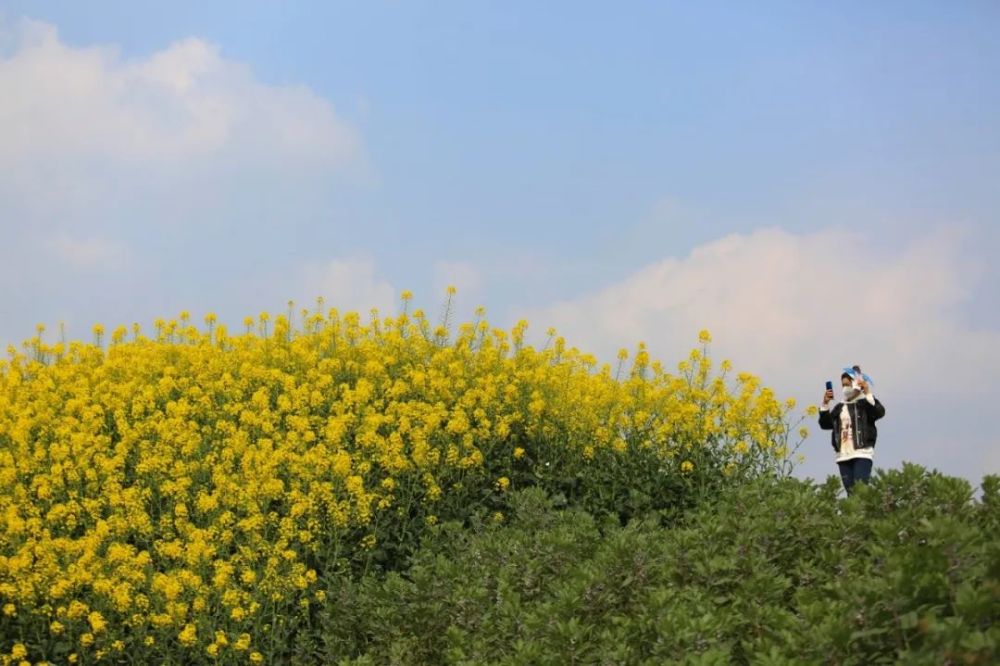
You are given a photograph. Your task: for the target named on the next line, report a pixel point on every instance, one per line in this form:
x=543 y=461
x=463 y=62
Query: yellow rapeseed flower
x=97 y=622
x=188 y=635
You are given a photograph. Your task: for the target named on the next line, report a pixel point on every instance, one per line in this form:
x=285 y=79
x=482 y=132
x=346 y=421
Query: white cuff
x=870 y=398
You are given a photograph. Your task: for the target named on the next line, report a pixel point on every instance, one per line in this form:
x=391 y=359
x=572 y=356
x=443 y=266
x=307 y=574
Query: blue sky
x=815 y=183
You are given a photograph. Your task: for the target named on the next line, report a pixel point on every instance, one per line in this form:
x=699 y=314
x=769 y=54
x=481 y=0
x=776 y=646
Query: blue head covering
x=855 y=375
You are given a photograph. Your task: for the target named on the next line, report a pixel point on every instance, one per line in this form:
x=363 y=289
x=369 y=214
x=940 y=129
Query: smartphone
x=829 y=386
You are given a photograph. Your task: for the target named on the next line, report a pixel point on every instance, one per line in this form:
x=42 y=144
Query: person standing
x=852 y=426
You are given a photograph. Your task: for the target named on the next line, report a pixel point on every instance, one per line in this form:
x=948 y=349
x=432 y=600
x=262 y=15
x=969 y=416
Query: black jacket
x=863 y=418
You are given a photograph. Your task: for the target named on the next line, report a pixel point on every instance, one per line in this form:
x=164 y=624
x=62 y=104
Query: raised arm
x=875 y=408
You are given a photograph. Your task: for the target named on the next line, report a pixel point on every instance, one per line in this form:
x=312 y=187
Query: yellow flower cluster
x=169 y=490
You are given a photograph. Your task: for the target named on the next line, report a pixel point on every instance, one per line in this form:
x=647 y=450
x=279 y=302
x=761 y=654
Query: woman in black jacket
x=852 y=423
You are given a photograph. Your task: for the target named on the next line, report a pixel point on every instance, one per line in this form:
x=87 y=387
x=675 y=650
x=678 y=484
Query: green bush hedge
x=776 y=571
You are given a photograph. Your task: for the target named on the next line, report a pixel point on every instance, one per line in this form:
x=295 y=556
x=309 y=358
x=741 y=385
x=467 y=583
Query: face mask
x=850 y=392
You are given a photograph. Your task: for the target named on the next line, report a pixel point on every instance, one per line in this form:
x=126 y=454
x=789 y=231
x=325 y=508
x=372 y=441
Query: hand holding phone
x=828 y=396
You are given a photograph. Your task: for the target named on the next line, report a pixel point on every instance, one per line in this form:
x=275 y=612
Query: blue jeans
x=855 y=469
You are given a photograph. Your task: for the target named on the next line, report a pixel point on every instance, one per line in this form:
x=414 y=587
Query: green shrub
x=775 y=571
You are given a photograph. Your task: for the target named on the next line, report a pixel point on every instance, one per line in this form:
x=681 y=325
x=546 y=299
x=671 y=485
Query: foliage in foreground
x=777 y=572
x=194 y=496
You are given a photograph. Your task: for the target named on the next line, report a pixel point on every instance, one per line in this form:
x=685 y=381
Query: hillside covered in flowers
x=192 y=495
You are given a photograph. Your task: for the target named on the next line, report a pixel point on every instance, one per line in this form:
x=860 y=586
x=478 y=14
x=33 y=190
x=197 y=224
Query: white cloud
x=796 y=308
x=88 y=137
x=349 y=284
x=91 y=253
x=792 y=304
x=184 y=102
